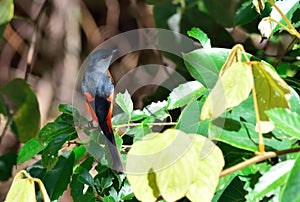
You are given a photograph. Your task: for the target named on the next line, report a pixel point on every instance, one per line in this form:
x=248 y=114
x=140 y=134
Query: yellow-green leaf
x=271 y=91
x=170 y=164
x=230 y=90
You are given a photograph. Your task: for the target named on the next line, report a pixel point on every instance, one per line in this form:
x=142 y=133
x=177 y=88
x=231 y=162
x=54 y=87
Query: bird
x=98 y=91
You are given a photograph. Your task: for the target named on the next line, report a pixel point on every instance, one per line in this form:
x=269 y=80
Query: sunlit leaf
x=291 y=189
x=170 y=162
x=271 y=180
x=229 y=91
x=289 y=9
x=204 y=64
x=125 y=102
x=259 y=5
x=21 y=190
x=200 y=36
x=29 y=150
x=157 y=110
x=271 y=91
x=290 y=119
x=6 y=11
x=184 y=94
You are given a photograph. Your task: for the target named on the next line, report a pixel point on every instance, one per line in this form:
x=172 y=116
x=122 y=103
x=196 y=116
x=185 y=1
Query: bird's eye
x=104 y=56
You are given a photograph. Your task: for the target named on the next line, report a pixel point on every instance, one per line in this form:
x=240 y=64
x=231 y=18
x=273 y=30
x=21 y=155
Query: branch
x=5 y=128
x=260 y=157
x=151 y=124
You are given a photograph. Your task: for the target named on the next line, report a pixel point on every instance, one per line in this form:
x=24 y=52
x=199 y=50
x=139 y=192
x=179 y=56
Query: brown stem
x=260 y=157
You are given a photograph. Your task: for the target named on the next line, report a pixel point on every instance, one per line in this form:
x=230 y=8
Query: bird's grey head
x=100 y=59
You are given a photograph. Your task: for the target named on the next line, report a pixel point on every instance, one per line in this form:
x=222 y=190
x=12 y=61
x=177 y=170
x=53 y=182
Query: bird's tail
x=115 y=159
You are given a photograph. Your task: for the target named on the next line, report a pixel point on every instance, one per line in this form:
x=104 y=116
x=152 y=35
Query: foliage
x=230 y=119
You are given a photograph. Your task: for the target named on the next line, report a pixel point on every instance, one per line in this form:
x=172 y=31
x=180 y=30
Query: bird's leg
x=91 y=124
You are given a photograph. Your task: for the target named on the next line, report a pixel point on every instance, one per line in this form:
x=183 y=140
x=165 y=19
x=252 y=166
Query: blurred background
x=47 y=40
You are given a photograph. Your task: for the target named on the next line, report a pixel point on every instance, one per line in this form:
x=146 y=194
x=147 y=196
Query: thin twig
x=260 y=157
x=5 y=128
x=151 y=124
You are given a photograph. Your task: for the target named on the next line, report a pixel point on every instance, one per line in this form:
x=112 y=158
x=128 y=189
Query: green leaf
x=79 y=152
x=157 y=110
x=68 y=109
x=56 y=180
x=7 y=162
x=21 y=101
x=234 y=191
x=271 y=180
x=126 y=192
x=222 y=11
x=139 y=132
x=95 y=150
x=6 y=11
x=54 y=129
x=29 y=150
x=290 y=191
x=242 y=135
x=271 y=91
x=200 y=36
x=76 y=187
x=245 y=14
x=50 y=153
x=86 y=178
x=184 y=94
x=170 y=163
x=289 y=9
x=290 y=119
x=189 y=121
x=204 y=64
x=228 y=92
x=125 y=102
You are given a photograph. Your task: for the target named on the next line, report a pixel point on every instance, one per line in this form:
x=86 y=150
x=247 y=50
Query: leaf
x=290 y=191
x=21 y=190
x=125 y=102
x=54 y=129
x=184 y=94
x=157 y=110
x=139 y=132
x=170 y=163
x=68 y=109
x=189 y=122
x=6 y=11
x=234 y=191
x=21 y=101
x=290 y=119
x=7 y=162
x=29 y=150
x=204 y=64
x=271 y=180
x=56 y=180
x=200 y=36
x=242 y=135
x=271 y=91
x=245 y=14
x=288 y=8
x=50 y=153
x=228 y=90
x=95 y=150
x=259 y=5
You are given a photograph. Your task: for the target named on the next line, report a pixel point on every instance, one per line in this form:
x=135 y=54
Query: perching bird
x=98 y=89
